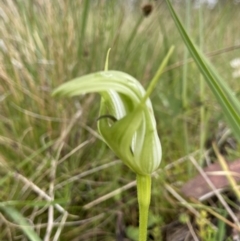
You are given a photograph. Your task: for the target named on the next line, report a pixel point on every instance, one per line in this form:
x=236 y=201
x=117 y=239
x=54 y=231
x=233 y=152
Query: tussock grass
x=52 y=162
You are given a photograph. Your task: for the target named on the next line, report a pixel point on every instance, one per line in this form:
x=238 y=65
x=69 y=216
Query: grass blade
x=23 y=224
x=225 y=96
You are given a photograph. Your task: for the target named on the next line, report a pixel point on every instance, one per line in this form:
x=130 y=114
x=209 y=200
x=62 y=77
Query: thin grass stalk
x=166 y=42
x=215 y=191
x=185 y=84
x=202 y=88
x=228 y=175
x=133 y=33
x=185 y=67
x=83 y=28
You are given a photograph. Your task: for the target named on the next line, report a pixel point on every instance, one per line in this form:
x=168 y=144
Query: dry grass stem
x=190 y=227
x=51 y=195
x=110 y=195
x=216 y=192
x=38 y=191
x=227 y=173
x=83 y=174
x=73 y=151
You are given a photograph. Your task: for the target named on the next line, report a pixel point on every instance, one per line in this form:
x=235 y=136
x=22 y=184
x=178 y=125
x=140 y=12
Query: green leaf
x=21 y=221
x=225 y=96
x=132 y=233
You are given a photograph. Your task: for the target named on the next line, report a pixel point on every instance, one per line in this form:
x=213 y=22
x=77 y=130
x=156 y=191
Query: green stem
x=144 y=197
x=185 y=67
x=156 y=77
x=185 y=85
x=202 y=92
x=133 y=33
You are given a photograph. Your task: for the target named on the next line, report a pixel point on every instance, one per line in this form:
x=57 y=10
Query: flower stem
x=144 y=196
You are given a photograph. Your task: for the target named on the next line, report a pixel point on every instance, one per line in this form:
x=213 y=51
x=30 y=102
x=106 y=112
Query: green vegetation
x=131 y=132
x=56 y=173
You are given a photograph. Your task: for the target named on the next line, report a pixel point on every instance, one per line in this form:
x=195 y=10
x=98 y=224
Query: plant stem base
x=144 y=197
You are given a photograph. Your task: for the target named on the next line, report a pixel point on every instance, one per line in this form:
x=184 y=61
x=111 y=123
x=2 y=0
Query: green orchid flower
x=132 y=135
x=126 y=124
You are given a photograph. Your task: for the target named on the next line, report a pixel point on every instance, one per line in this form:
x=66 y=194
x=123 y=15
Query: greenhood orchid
x=126 y=124
x=132 y=135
